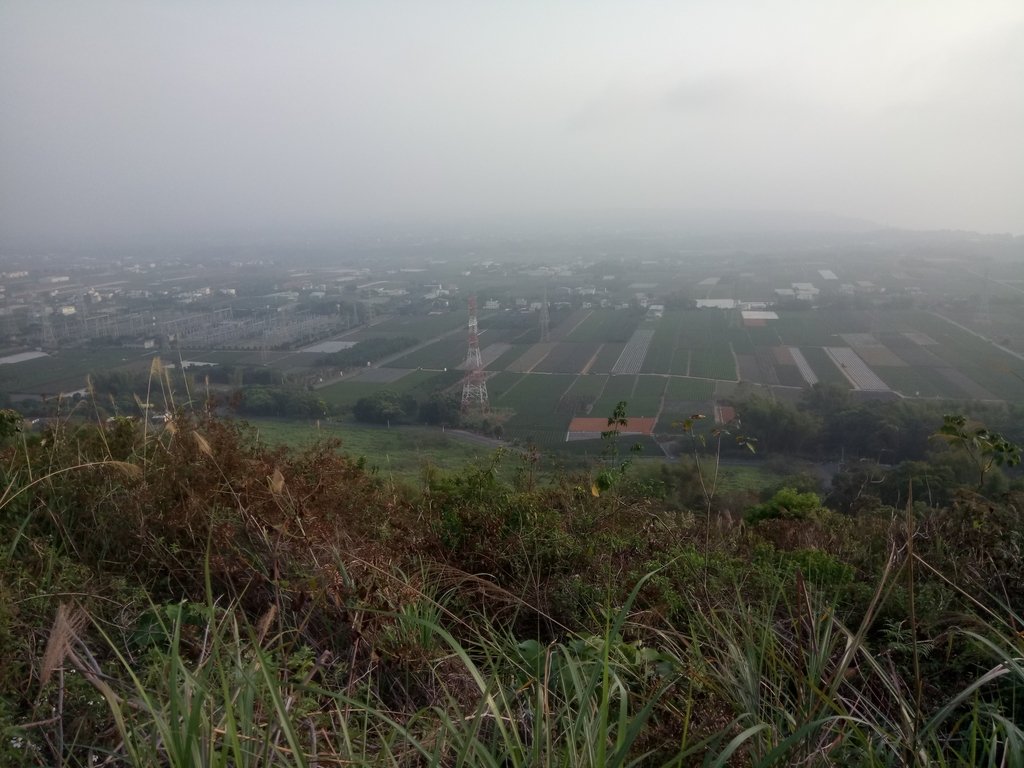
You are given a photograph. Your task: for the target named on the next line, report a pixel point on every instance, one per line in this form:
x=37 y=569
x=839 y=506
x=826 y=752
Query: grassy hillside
x=196 y=595
x=402 y=453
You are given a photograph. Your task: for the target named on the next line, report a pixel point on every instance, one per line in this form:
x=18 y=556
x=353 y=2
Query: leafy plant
x=983 y=448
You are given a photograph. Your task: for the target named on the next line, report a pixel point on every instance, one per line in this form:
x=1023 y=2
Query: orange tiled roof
x=635 y=426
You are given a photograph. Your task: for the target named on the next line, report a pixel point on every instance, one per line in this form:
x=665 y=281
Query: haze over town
x=149 y=122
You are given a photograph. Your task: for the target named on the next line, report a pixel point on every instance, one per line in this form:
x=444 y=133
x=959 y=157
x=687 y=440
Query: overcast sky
x=147 y=118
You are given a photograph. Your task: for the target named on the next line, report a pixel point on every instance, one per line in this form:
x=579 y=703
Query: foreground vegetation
x=188 y=596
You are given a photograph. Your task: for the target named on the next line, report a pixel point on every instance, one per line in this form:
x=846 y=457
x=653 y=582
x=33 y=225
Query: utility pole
x=545 y=319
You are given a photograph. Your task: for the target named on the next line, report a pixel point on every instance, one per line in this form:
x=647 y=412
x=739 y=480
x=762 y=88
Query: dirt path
x=582 y=320
x=591 y=361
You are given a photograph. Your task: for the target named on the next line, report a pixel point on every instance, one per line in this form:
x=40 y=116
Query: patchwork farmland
x=665 y=365
x=617 y=327
x=631 y=359
x=671 y=366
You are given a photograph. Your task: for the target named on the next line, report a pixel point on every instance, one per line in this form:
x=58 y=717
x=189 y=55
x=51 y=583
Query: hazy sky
x=141 y=118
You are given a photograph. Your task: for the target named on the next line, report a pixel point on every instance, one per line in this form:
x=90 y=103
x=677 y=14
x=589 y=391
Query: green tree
x=10 y=424
x=983 y=448
x=788 y=504
x=384 y=407
x=441 y=408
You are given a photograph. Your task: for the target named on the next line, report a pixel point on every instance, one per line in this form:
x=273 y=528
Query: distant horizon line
x=714 y=223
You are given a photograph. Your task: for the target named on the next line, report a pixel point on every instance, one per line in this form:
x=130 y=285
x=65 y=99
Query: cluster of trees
x=829 y=423
x=278 y=401
x=860 y=455
x=120 y=382
x=386 y=407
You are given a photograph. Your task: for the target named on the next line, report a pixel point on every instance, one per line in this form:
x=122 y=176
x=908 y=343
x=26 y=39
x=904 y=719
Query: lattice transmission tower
x=474 y=385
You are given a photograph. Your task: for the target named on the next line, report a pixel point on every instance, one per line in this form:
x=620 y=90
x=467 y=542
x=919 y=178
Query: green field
x=422 y=327
x=713 y=363
x=400 y=452
x=815 y=328
x=743 y=342
x=995 y=370
x=919 y=382
x=567 y=357
x=689 y=389
x=646 y=397
x=512 y=354
x=617 y=389
x=606 y=357
x=606 y=325
x=680 y=363
x=446 y=353
x=823 y=367
x=66 y=370
x=702 y=328
x=663 y=345
x=535 y=400
x=536 y=395
x=500 y=383
x=588 y=386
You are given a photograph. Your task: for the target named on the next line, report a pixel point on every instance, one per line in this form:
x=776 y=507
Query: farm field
x=670 y=367
x=689 y=389
x=617 y=389
x=823 y=367
x=914 y=350
x=856 y=370
x=632 y=358
x=568 y=325
x=588 y=387
x=606 y=357
x=663 y=345
x=604 y=325
x=705 y=327
x=446 y=353
x=533 y=355
x=500 y=383
x=379 y=375
x=871 y=350
x=683 y=398
x=646 y=397
x=803 y=366
x=567 y=357
x=982 y=362
x=680 y=362
x=758 y=336
x=66 y=370
x=422 y=327
x=492 y=352
x=814 y=328
x=714 y=363
x=536 y=395
x=920 y=382
x=513 y=353
x=535 y=399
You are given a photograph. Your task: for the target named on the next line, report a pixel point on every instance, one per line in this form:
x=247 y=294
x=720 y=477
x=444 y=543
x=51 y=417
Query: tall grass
x=256 y=661
x=792 y=684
